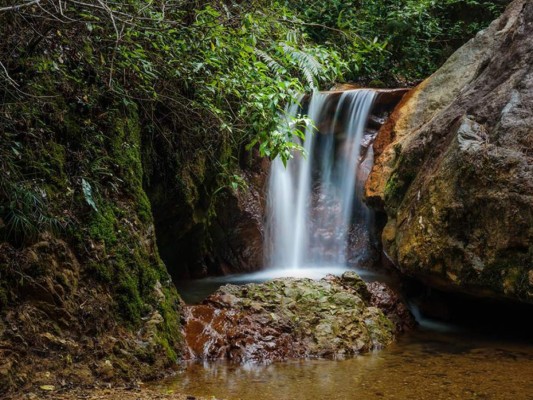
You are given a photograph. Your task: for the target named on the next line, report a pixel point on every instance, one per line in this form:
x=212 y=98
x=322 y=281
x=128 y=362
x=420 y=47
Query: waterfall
x=315 y=200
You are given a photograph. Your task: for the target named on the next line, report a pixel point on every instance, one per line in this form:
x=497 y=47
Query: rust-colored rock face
x=454 y=171
x=294 y=318
x=238 y=335
x=386 y=135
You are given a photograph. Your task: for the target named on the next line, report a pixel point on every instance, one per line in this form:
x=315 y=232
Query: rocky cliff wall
x=456 y=176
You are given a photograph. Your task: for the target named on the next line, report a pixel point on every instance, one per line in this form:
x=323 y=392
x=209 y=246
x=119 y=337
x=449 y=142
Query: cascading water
x=314 y=200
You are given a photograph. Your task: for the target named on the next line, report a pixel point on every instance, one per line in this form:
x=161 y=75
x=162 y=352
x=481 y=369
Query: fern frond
x=309 y=65
x=269 y=61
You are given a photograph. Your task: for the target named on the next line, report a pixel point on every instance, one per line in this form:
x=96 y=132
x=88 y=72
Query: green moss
x=380 y=328
x=148 y=275
x=129 y=302
x=397 y=186
x=125 y=145
x=102 y=225
x=102 y=271
x=377 y=83
x=185 y=186
x=393 y=188
x=170 y=310
x=53 y=156
x=133 y=281
x=131 y=269
x=169 y=351
x=144 y=208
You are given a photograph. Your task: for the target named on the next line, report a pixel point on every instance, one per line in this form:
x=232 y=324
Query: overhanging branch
x=16 y=7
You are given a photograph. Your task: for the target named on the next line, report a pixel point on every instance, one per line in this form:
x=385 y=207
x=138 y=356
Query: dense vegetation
x=107 y=107
x=213 y=75
x=411 y=38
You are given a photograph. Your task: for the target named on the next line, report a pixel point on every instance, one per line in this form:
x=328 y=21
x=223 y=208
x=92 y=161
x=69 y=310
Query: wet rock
x=454 y=170
x=238 y=231
x=290 y=318
x=212 y=224
x=388 y=301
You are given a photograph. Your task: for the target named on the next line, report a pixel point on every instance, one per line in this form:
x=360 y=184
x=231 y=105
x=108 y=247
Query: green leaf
x=88 y=194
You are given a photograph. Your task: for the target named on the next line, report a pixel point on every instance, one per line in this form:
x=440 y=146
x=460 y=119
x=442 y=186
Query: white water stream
x=312 y=202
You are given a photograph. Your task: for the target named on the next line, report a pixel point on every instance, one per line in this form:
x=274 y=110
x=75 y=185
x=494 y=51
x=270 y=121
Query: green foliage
x=284 y=140
x=411 y=38
x=24 y=202
x=88 y=194
x=223 y=71
x=220 y=73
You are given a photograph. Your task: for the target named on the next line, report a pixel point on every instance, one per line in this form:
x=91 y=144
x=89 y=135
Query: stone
x=290 y=318
x=454 y=169
x=105 y=369
x=238 y=235
x=387 y=300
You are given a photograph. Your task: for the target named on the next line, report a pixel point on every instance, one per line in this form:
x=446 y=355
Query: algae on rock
x=289 y=318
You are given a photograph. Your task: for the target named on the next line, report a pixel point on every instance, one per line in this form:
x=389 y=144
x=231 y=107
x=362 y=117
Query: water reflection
x=486 y=356
x=423 y=365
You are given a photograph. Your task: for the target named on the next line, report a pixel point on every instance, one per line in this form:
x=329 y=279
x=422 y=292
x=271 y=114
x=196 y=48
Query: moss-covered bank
x=84 y=292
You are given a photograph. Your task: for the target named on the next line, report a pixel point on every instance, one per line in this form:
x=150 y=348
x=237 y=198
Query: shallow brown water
x=421 y=365
x=488 y=357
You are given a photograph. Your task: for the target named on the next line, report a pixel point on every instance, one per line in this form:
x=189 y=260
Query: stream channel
x=489 y=356
x=315 y=218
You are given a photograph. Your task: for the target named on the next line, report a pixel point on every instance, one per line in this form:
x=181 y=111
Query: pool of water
x=195 y=290
x=421 y=365
x=436 y=361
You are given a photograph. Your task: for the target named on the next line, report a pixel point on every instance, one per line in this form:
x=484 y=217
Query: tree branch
x=9 y=79
x=16 y=7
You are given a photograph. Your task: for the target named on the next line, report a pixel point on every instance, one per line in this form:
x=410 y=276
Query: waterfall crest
x=314 y=202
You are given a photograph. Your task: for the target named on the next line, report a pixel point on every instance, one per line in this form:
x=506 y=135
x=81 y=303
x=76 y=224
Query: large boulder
x=291 y=318
x=454 y=169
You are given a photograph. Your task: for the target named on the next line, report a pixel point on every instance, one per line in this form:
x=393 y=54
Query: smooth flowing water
x=311 y=200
